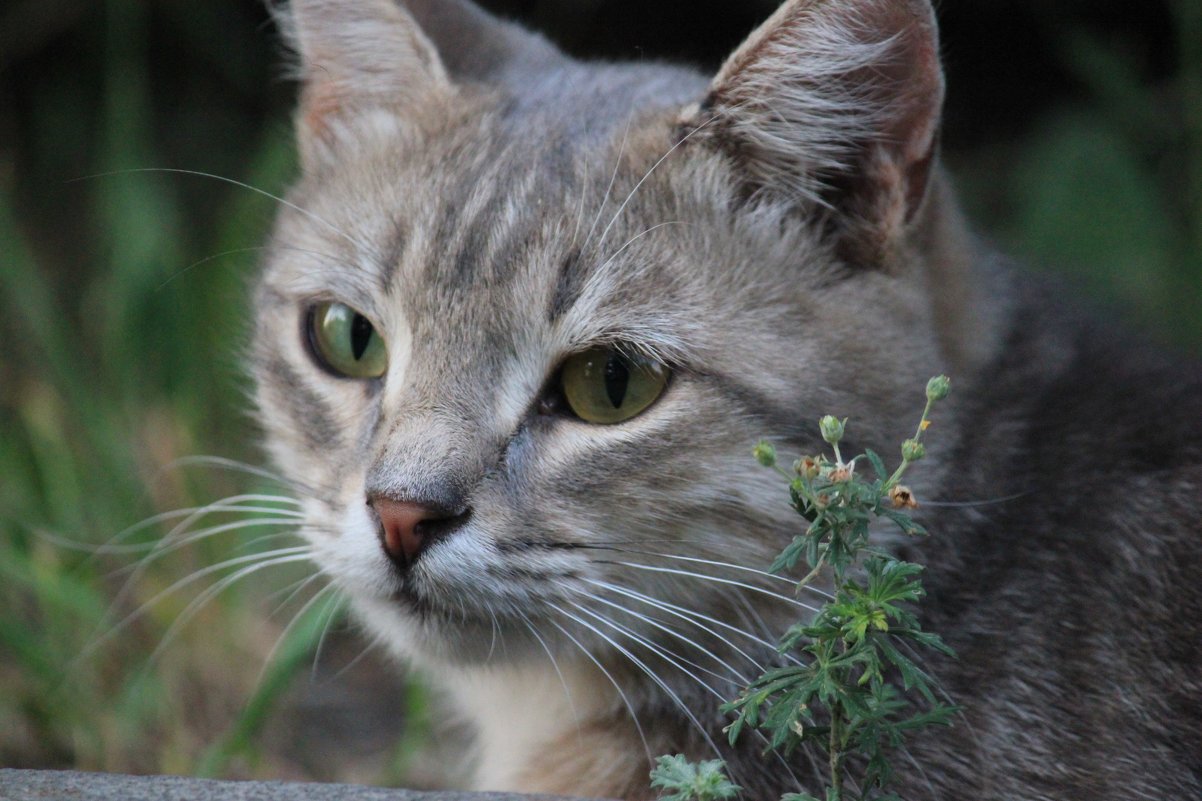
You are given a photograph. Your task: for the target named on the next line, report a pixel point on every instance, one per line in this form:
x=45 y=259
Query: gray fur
x=502 y=207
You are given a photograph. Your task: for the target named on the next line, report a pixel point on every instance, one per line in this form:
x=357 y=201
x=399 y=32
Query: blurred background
x=1074 y=129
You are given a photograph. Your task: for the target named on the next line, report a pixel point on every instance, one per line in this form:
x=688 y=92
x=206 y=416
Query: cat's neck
x=557 y=730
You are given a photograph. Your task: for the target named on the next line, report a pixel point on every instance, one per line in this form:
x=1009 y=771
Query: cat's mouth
x=452 y=626
x=462 y=593
x=411 y=601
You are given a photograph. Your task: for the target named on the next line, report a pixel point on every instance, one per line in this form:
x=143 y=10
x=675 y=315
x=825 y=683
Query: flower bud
x=765 y=454
x=938 y=387
x=913 y=450
x=902 y=498
x=832 y=429
x=840 y=474
x=807 y=468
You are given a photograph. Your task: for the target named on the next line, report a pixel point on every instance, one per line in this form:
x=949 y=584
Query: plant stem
x=901 y=468
x=812 y=574
x=836 y=752
x=926 y=414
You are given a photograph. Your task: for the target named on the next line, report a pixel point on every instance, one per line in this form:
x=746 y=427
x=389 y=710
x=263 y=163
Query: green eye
x=604 y=386
x=346 y=342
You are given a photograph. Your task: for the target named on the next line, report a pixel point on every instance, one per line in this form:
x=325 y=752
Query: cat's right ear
x=362 y=62
x=835 y=105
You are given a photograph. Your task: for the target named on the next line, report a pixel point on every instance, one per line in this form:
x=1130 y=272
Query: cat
x=523 y=317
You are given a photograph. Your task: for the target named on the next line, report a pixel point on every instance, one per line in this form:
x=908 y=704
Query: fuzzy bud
x=807 y=468
x=938 y=387
x=765 y=454
x=902 y=498
x=913 y=450
x=832 y=429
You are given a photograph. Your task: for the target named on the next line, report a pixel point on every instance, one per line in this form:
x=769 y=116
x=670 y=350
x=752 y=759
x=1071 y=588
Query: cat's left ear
x=362 y=61
x=836 y=104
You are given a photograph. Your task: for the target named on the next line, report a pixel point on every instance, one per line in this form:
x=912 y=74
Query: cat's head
x=523 y=318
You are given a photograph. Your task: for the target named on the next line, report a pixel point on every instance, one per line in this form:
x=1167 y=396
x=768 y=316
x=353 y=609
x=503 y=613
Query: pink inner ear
x=910 y=96
x=919 y=110
x=320 y=101
x=918 y=176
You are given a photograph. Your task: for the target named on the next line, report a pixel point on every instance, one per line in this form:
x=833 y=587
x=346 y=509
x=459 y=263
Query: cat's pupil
x=361 y=331
x=617 y=377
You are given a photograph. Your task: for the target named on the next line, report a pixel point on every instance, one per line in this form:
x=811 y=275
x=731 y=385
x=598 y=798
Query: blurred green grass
x=1107 y=190
x=123 y=305
x=115 y=369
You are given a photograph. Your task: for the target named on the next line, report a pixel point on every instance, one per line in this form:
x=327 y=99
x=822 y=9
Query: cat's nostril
x=408 y=528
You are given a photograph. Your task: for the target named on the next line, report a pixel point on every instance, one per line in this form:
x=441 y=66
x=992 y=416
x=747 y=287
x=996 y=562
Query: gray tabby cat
x=524 y=317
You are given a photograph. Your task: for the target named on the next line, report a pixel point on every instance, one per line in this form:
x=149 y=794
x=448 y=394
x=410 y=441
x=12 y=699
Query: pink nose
x=406 y=527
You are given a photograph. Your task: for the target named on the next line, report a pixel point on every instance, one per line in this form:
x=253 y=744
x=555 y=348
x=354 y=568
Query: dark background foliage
x=1074 y=129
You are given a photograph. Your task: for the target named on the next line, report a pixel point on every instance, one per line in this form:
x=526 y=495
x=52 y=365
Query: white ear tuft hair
x=836 y=103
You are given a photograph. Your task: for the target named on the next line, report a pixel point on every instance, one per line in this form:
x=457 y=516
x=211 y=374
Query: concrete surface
x=48 y=785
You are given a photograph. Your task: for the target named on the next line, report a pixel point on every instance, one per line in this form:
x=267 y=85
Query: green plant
x=683 y=780
x=842 y=697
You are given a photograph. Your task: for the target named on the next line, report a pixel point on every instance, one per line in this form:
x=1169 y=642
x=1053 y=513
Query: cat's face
x=495 y=238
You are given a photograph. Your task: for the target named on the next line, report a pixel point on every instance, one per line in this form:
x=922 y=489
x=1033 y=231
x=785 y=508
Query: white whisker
x=973 y=504
x=555 y=666
x=223 y=463
x=673 y=633
x=492 y=644
x=300 y=613
x=719 y=580
x=670 y=656
x=230 y=504
x=210 y=258
x=333 y=607
x=293 y=589
x=237 y=251
x=273 y=559
x=170 y=545
x=596 y=276
x=691 y=616
x=742 y=568
x=580 y=208
x=201 y=174
x=634 y=718
x=367 y=649
x=612 y=178
x=647 y=175
x=651 y=674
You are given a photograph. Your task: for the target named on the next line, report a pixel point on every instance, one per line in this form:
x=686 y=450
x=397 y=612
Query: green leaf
x=692 y=781
x=878 y=466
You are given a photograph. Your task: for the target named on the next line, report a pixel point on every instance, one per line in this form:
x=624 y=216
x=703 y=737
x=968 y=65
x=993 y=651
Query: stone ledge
x=69 y=785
